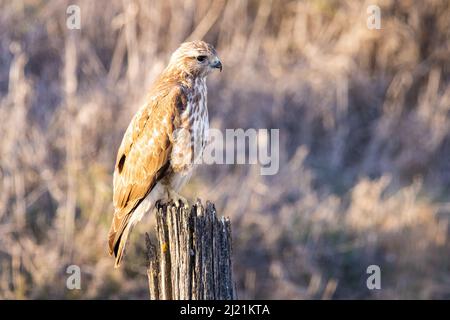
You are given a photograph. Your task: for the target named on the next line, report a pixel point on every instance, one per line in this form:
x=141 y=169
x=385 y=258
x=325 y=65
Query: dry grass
x=365 y=142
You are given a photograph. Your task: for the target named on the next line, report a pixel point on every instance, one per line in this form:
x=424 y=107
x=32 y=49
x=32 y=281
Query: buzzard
x=163 y=141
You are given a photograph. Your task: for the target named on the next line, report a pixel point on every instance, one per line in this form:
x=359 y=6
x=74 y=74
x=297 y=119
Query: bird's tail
x=118 y=239
x=124 y=220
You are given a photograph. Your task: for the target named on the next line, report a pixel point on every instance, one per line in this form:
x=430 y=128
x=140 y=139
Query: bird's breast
x=191 y=137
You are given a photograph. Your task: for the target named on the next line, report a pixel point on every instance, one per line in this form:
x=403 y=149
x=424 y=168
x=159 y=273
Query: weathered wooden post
x=192 y=256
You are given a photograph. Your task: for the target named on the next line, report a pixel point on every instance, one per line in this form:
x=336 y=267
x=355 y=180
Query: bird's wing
x=143 y=156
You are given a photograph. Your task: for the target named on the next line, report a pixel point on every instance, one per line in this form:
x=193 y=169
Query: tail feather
x=118 y=239
x=120 y=243
x=124 y=220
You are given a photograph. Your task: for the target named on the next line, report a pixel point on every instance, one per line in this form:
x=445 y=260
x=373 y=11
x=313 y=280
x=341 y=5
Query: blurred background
x=364 y=119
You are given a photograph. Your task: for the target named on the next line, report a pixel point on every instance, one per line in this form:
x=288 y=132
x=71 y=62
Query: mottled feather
x=144 y=151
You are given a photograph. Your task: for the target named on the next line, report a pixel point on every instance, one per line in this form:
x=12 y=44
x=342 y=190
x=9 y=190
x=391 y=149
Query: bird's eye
x=201 y=58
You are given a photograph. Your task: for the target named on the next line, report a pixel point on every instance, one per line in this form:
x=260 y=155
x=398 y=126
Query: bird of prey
x=163 y=141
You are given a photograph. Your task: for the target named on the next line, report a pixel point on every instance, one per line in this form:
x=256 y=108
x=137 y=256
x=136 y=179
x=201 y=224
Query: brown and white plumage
x=159 y=148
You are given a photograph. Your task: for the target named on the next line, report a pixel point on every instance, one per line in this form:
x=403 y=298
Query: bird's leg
x=177 y=198
x=166 y=196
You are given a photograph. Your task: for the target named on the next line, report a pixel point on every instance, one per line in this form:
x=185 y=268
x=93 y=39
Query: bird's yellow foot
x=178 y=199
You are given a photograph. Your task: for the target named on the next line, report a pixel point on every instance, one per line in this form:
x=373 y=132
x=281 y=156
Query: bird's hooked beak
x=217 y=64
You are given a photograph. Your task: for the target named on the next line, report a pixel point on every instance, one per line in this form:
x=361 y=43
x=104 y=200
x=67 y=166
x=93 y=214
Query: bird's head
x=196 y=58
